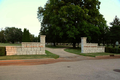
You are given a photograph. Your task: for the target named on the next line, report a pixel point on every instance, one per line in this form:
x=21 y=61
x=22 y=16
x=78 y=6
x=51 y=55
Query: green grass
x=17 y=57
x=9 y=44
x=78 y=52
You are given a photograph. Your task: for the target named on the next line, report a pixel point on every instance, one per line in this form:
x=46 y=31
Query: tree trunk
x=113 y=45
x=98 y=43
x=78 y=45
x=12 y=42
x=103 y=43
x=54 y=44
x=74 y=44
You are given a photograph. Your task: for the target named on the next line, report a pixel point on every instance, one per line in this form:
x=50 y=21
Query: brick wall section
x=90 y=47
x=27 y=48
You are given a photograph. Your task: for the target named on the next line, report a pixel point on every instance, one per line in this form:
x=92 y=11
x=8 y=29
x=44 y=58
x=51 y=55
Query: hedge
x=2 y=51
x=112 y=50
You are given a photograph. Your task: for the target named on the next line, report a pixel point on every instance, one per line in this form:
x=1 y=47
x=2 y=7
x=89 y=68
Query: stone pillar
x=83 y=43
x=42 y=39
x=42 y=42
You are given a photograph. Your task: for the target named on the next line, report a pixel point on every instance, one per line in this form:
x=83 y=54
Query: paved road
x=83 y=68
x=61 y=52
x=66 y=55
x=79 y=70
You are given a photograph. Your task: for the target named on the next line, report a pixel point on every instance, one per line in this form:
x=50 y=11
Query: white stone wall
x=27 y=48
x=90 y=47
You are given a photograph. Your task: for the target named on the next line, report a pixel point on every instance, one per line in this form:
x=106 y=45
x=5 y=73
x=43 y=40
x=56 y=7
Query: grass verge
x=16 y=57
x=9 y=44
x=78 y=52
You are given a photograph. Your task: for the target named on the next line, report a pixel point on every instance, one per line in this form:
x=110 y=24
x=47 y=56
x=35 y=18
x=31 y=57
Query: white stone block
x=38 y=49
x=34 y=52
x=24 y=52
x=29 y=49
x=35 y=49
x=27 y=52
x=38 y=52
x=24 y=44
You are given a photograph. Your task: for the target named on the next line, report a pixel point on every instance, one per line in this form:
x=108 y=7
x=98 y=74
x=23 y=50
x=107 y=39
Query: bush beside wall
x=112 y=50
x=2 y=51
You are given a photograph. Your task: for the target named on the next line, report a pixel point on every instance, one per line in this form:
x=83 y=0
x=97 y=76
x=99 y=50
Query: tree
x=2 y=36
x=103 y=30
x=33 y=38
x=26 y=36
x=115 y=31
x=68 y=20
x=116 y=22
x=114 y=34
x=13 y=34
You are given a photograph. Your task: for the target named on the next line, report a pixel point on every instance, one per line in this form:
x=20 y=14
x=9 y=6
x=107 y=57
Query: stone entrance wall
x=90 y=47
x=27 y=48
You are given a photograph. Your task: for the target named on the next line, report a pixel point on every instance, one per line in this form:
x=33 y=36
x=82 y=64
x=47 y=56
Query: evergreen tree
x=116 y=22
x=115 y=31
x=26 y=36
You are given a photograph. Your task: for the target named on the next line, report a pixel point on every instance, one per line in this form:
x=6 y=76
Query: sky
x=23 y=13
x=109 y=9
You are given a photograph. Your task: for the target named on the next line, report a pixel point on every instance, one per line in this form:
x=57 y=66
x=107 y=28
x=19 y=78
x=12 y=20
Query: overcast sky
x=23 y=13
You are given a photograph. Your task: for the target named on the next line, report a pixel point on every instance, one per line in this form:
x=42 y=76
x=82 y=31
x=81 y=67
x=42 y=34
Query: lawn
x=78 y=52
x=9 y=44
x=16 y=57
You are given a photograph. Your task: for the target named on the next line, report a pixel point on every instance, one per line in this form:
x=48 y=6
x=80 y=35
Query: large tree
x=103 y=30
x=68 y=20
x=115 y=30
x=13 y=34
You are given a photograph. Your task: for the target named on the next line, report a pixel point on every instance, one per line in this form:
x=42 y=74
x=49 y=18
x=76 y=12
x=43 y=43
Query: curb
x=108 y=56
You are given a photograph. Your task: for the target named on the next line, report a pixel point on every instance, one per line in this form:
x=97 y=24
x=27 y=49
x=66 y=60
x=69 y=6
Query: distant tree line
x=69 y=20
x=12 y=34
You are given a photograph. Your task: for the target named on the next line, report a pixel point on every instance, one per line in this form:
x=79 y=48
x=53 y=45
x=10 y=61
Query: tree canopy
x=115 y=30
x=13 y=34
x=116 y=22
x=68 y=20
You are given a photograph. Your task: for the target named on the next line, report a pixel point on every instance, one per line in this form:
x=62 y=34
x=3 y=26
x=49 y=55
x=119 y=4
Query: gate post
x=83 y=42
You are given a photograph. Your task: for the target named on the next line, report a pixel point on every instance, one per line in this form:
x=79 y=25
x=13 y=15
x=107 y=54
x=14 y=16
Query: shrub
x=112 y=50
x=2 y=51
